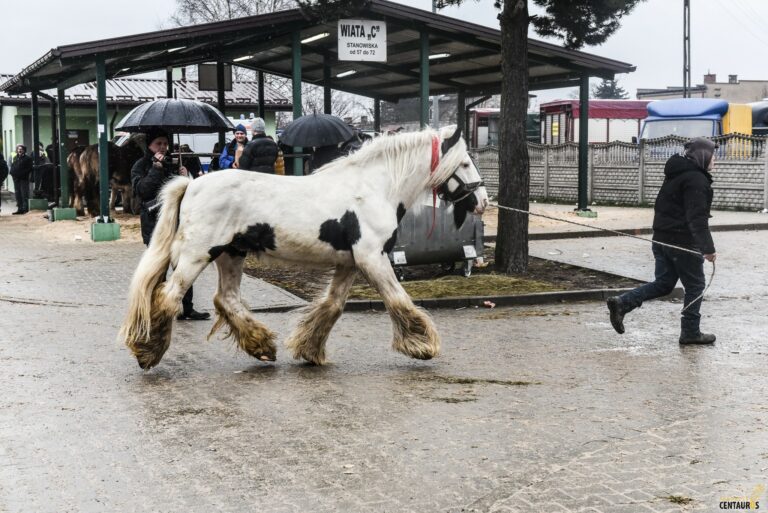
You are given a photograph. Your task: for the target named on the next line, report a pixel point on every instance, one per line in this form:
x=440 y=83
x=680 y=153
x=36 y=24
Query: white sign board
x=362 y=40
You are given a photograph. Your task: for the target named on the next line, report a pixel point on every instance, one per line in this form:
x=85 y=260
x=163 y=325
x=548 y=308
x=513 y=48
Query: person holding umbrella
x=323 y=132
x=148 y=176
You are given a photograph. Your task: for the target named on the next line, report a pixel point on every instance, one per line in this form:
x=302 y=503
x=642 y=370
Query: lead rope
x=616 y=232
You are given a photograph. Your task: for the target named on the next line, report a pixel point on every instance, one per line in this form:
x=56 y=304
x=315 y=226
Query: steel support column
x=298 y=163
x=327 y=107
x=424 y=80
x=262 y=108
x=63 y=166
x=461 y=106
x=101 y=121
x=55 y=144
x=583 y=140
x=220 y=100
x=686 y=49
x=35 y=129
x=376 y=115
x=169 y=82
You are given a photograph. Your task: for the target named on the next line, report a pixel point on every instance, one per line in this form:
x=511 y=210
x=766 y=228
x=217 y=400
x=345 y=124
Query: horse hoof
x=267 y=358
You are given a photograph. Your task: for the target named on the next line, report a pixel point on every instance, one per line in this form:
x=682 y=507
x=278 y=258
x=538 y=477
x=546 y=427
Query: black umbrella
x=179 y=116
x=316 y=130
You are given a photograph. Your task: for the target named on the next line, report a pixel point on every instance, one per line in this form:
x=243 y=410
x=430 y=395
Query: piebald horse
x=345 y=215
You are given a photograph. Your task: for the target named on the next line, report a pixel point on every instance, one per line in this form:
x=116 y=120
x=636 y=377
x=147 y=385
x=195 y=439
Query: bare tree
x=191 y=12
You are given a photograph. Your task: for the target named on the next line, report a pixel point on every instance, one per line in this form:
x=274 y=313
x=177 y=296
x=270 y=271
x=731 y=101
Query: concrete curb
x=629 y=231
x=539 y=298
x=455 y=303
x=279 y=308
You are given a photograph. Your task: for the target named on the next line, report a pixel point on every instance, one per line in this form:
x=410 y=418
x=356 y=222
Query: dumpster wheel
x=448 y=267
x=467 y=268
x=400 y=273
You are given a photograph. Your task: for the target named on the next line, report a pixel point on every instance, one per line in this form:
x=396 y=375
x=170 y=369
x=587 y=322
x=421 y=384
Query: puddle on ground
x=457 y=380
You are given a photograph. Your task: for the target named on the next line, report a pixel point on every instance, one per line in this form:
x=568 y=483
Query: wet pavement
x=527 y=409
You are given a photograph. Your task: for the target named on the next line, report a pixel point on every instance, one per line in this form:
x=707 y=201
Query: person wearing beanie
x=261 y=153
x=681 y=218
x=228 y=158
x=148 y=175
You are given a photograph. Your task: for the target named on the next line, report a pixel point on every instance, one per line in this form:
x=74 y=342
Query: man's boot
x=616 y=310
x=194 y=315
x=700 y=339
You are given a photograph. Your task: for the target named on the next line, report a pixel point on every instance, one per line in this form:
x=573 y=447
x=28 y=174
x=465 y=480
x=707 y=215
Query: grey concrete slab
x=530 y=408
x=81 y=272
x=740 y=265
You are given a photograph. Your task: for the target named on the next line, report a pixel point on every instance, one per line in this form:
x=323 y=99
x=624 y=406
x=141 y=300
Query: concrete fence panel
x=631 y=174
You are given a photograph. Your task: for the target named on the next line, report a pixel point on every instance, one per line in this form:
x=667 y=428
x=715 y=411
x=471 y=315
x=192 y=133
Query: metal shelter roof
x=473 y=65
x=134 y=91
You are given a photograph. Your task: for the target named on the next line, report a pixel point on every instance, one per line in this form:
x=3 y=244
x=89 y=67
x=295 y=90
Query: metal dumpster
x=445 y=246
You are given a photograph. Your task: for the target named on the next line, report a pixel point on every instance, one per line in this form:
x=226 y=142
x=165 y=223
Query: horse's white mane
x=406 y=153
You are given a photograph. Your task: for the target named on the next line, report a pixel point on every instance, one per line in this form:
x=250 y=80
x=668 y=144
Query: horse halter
x=462 y=191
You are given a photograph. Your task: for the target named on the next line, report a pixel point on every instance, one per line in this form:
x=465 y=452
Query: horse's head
x=464 y=187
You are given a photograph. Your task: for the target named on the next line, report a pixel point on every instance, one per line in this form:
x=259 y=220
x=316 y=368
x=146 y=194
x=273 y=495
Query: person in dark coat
x=681 y=217
x=214 y=165
x=3 y=174
x=261 y=153
x=148 y=176
x=322 y=155
x=191 y=162
x=21 y=171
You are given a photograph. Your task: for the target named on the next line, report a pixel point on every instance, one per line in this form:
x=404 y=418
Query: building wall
x=745 y=91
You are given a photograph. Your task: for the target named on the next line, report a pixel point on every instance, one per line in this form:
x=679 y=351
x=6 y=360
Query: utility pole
x=435 y=99
x=686 y=48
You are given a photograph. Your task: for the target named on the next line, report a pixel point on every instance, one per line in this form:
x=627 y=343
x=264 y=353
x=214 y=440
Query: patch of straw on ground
x=459 y=286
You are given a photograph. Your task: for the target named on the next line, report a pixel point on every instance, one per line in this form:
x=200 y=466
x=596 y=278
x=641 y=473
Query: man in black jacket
x=681 y=218
x=259 y=154
x=148 y=175
x=21 y=171
x=3 y=174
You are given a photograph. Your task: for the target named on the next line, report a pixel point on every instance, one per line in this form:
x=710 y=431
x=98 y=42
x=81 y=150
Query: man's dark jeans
x=21 y=188
x=671 y=265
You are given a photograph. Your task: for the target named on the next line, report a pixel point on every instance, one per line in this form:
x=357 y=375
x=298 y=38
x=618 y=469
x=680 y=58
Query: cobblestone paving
x=528 y=409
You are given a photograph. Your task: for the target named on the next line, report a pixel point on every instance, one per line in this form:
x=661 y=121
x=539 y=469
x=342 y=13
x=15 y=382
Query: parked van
x=759 y=117
x=696 y=117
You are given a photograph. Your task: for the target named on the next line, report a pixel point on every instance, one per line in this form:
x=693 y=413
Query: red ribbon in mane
x=432 y=167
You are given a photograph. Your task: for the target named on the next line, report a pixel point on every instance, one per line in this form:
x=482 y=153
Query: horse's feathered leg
x=310 y=335
x=251 y=336
x=413 y=331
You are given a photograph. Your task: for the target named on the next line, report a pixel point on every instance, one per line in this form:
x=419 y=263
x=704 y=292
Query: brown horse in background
x=84 y=165
x=77 y=187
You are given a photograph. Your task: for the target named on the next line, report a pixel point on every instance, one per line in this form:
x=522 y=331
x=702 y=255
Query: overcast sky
x=727 y=36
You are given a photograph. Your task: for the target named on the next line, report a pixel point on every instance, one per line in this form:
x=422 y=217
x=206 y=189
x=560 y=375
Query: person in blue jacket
x=230 y=152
